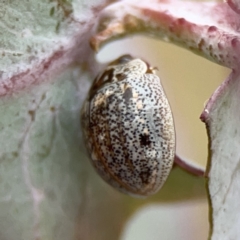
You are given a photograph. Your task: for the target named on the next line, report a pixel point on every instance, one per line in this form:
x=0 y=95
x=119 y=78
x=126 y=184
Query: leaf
x=48 y=190
x=43 y=170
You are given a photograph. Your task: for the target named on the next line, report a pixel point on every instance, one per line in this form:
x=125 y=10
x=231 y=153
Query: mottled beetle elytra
x=128 y=127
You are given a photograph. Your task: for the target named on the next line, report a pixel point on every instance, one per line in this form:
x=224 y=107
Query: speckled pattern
x=129 y=128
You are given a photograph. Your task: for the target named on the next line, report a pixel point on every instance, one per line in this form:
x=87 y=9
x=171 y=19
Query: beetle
x=129 y=128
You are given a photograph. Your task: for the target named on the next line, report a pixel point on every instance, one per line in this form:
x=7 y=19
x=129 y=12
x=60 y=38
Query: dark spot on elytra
x=106 y=77
x=145 y=139
x=120 y=76
x=127 y=95
x=145 y=176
